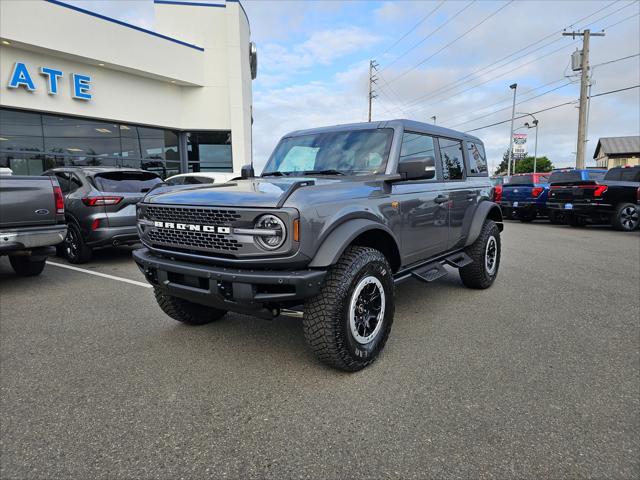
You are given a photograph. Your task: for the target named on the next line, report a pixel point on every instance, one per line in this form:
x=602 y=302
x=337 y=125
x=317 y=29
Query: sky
x=450 y=59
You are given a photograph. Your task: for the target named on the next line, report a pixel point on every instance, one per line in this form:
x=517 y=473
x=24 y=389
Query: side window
x=414 y=144
x=452 y=160
x=195 y=180
x=64 y=181
x=176 y=181
x=630 y=175
x=74 y=183
x=613 y=174
x=477 y=158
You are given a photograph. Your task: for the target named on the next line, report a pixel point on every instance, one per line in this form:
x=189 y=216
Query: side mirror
x=247 y=172
x=417 y=168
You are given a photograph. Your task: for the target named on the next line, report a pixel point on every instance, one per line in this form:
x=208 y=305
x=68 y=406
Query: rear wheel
x=347 y=324
x=575 y=221
x=626 y=217
x=556 y=218
x=485 y=253
x=27 y=267
x=526 y=216
x=185 y=311
x=74 y=248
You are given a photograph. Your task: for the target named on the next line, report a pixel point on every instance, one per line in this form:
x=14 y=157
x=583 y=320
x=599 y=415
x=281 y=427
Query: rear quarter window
x=125 y=182
x=477 y=158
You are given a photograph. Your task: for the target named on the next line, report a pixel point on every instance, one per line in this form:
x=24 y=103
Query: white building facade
x=80 y=88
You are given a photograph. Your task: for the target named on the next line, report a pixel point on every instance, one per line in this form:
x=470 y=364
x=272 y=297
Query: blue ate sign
x=21 y=78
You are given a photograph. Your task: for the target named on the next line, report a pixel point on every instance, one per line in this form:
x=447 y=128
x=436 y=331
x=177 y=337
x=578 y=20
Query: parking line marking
x=98 y=274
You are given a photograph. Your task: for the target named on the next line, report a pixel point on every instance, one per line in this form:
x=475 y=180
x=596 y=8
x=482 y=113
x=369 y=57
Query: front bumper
x=238 y=290
x=29 y=238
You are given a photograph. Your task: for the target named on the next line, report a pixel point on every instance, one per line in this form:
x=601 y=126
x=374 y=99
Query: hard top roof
x=410 y=125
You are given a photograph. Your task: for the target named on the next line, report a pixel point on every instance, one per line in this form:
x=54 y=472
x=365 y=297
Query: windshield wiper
x=275 y=174
x=323 y=172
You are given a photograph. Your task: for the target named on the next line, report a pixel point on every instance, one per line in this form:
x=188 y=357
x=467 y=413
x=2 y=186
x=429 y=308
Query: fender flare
x=484 y=210
x=340 y=237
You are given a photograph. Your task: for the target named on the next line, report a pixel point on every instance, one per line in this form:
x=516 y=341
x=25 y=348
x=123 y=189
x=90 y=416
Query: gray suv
x=340 y=216
x=100 y=207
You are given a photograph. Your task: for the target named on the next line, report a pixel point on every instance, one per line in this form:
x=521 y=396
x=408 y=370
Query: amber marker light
x=296 y=230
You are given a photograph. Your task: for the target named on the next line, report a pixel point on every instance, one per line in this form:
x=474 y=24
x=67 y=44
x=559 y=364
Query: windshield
x=332 y=153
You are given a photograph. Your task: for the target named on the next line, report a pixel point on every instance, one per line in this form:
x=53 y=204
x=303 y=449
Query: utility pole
x=373 y=67
x=434 y=119
x=514 y=87
x=584 y=86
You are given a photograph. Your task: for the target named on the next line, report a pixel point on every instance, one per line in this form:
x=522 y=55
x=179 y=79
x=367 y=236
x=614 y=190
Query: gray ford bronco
x=338 y=218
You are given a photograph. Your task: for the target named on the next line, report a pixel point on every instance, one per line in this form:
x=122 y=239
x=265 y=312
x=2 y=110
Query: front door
x=422 y=205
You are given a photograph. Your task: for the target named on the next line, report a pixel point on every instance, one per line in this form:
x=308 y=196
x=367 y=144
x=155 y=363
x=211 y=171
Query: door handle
x=440 y=199
x=471 y=196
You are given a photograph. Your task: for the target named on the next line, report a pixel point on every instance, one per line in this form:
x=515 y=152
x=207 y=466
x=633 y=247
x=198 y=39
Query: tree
x=525 y=165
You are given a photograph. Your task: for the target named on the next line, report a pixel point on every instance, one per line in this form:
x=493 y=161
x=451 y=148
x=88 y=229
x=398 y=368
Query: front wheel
x=27 y=267
x=348 y=322
x=485 y=253
x=626 y=217
x=185 y=311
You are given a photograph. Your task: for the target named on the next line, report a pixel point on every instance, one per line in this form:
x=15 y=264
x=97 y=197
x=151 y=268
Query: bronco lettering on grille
x=192 y=228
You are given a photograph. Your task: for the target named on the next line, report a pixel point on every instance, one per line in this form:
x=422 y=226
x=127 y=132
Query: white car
x=5 y=171
x=198 y=178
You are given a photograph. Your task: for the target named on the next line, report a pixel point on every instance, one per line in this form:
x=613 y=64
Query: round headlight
x=274 y=241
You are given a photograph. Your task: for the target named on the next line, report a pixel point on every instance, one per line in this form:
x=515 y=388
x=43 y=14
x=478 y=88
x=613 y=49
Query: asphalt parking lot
x=537 y=377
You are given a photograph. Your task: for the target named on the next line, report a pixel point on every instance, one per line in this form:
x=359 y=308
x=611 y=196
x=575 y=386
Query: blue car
x=524 y=196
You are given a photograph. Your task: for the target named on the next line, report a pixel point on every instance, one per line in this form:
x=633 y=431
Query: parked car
x=613 y=200
x=339 y=216
x=564 y=178
x=100 y=207
x=199 y=178
x=524 y=196
x=498 y=183
x=31 y=221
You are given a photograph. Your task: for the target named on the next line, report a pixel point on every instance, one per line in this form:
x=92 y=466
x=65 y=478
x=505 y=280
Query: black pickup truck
x=339 y=217
x=613 y=200
x=31 y=221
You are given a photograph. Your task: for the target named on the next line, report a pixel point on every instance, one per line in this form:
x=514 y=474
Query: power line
x=414 y=27
x=506 y=108
x=430 y=35
x=623 y=20
x=549 y=91
x=466 y=78
x=454 y=40
x=552 y=107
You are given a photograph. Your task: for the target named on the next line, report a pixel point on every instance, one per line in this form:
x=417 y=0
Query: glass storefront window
x=61 y=140
x=210 y=151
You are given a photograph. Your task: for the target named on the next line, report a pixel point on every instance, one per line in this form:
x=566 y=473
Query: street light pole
x=535 y=149
x=514 y=87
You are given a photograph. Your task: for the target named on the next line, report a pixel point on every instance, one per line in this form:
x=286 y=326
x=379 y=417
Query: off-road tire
x=24 y=266
x=81 y=253
x=476 y=274
x=185 y=311
x=625 y=217
x=326 y=322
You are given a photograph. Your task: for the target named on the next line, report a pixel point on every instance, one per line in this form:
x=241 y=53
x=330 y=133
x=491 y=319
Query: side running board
x=432 y=271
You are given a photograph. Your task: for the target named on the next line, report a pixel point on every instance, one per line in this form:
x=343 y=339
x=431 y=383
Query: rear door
x=123 y=191
x=26 y=201
x=463 y=197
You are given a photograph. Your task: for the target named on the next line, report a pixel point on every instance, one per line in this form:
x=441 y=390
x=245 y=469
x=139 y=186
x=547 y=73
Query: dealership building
x=81 y=88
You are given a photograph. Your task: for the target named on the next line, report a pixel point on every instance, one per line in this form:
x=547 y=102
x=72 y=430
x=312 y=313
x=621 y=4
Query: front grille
x=200 y=240
x=209 y=242
x=199 y=216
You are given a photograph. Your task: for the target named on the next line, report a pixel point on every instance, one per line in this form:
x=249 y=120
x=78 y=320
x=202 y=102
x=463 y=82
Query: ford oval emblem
x=42 y=211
